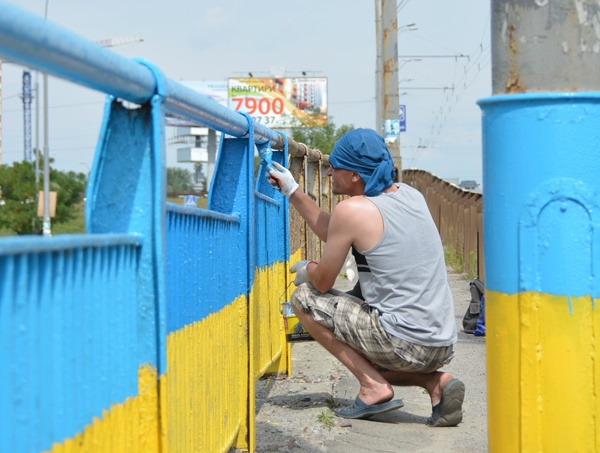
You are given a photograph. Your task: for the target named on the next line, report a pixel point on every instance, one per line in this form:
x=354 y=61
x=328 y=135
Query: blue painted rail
x=148 y=332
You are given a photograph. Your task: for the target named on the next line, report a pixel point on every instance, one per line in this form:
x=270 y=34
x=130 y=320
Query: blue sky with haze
x=444 y=67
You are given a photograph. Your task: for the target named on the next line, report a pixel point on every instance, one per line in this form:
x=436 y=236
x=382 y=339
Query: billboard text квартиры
x=283 y=102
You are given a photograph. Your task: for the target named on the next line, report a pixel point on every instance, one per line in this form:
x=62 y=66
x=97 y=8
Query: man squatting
x=397 y=327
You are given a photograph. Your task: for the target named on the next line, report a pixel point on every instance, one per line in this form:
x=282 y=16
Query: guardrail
x=147 y=333
x=458 y=215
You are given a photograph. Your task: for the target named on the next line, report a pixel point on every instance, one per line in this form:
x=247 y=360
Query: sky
x=444 y=67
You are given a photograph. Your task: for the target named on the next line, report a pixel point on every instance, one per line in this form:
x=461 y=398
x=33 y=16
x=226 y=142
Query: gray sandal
x=449 y=410
x=360 y=409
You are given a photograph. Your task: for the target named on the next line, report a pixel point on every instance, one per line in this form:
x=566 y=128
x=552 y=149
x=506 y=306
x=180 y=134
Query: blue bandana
x=364 y=151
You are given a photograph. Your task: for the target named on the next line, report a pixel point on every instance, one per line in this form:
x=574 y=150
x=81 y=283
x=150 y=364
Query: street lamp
x=46 y=220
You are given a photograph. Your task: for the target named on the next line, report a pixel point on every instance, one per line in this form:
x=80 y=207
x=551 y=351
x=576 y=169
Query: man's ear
x=355 y=177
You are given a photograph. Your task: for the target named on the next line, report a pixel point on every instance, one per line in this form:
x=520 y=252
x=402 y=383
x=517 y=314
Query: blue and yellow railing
x=148 y=332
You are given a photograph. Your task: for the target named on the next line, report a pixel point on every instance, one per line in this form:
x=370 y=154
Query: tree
x=322 y=138
x=179 y=180
x=18 y=209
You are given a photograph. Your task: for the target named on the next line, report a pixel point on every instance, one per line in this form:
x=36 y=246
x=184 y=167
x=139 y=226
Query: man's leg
x=374 y=388
x=446 y=393
x=433 y=382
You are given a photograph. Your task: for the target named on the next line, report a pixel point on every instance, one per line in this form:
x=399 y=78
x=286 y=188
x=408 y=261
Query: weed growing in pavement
x=326 y=417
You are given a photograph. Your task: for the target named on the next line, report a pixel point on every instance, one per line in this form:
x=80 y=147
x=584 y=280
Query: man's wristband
x=311 y=261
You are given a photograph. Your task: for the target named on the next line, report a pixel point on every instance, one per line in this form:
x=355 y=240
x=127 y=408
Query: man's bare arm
x=344 y=221
x=355 y=221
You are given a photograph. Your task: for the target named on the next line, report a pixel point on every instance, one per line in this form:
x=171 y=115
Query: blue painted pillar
x=232 y=192
x=541 y=136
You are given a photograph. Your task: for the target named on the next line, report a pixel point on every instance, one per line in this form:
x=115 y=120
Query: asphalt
x=294 y=412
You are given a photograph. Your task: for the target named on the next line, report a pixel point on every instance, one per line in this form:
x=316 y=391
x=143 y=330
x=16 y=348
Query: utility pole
x=378 y=70
x=46 y=231
x=111 y=42
x=0 y=112
x=388 y=99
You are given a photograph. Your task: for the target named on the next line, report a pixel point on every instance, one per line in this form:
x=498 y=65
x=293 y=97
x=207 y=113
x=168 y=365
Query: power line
x=460 y=55
x=364 y=101
x=471 y=71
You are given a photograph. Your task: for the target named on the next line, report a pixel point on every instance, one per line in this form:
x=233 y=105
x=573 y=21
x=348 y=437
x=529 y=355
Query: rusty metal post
x=389 y=61
x=378 y=70
x=545 y=45
x=542 y=229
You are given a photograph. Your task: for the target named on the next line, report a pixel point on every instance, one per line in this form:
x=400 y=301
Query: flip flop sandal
x=360 y=409
x=449 y=410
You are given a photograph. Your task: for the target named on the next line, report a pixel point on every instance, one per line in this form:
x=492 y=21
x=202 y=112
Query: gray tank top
x=404 y=274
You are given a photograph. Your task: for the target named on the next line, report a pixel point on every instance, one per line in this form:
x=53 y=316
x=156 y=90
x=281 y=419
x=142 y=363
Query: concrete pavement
x=294 y=412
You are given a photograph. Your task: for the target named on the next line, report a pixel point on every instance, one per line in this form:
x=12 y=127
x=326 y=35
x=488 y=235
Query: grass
x=472 y=265
x=75 y=225
x=72 y=226
x=326 y=417
x=454 y=258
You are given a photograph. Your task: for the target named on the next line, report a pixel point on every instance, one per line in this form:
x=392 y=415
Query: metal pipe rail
x=34 y=42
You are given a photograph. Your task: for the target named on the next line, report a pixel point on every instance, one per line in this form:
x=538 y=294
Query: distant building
x=201 y=150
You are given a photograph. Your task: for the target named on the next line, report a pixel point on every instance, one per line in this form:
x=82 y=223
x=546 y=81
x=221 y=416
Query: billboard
x=281 y=102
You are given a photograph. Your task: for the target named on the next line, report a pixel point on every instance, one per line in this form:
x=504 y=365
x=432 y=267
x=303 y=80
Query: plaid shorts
x=356 y=323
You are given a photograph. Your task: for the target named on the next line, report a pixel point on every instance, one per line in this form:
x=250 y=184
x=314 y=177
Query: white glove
x=300 y=269
x=281 y=178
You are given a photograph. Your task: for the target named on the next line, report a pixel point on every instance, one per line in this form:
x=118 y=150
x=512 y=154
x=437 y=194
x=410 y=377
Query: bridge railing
x=68 y=335
x=148 y=332
x=458 y=215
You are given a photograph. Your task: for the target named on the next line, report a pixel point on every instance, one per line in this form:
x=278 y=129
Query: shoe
x=449 y=410
x=360 y=409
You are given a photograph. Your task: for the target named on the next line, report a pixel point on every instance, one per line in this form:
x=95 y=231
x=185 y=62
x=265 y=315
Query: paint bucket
x=294 y=331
